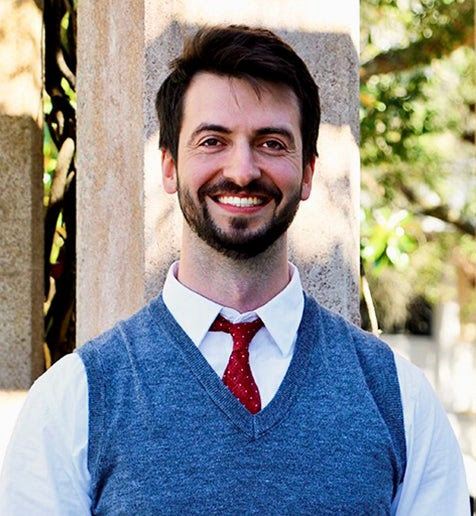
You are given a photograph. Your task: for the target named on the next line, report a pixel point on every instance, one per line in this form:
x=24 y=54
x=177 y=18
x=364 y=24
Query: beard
x=238 y=241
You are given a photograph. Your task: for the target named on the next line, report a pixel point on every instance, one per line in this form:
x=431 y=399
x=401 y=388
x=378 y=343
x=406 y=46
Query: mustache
x=255 y=187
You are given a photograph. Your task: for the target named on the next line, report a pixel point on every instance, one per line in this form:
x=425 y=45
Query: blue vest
x=166 y=436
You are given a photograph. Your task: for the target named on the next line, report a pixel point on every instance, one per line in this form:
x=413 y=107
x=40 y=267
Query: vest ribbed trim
x=252 y=425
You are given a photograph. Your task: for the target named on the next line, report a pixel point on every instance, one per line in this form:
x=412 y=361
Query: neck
x=240 y=284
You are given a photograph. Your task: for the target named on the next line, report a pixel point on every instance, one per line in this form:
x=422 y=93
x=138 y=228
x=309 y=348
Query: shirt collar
x=195 y=314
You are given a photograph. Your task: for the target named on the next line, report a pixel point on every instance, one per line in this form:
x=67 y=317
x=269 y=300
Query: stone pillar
x=21 y=224
x=128 y=228
x=111 y=141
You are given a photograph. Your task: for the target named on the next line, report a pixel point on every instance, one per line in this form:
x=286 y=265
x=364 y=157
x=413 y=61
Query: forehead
x=217 y=99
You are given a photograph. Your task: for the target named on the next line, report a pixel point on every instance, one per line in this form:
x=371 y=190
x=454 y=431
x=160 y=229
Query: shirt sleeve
x=435 y=481
x=45 y=466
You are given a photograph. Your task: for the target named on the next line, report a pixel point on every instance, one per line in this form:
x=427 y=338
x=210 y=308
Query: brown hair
x=252 y=54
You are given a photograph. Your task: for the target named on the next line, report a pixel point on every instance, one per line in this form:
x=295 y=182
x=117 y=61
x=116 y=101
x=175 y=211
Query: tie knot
x=241 y=333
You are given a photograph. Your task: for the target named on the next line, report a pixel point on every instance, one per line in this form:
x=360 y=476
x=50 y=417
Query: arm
x=435 y=481
x=45 y=467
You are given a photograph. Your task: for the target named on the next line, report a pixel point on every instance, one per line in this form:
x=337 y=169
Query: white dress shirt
x=270 y=350
x=45 y=469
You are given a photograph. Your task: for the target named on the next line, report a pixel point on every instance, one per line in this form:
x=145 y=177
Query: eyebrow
x=209 y=127
x=259 y=132
x=276 y=130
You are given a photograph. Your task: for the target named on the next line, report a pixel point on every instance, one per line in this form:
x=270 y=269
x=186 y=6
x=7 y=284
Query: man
x=232 y=392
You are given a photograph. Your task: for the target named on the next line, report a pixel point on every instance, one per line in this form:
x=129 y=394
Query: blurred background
x=418 y=200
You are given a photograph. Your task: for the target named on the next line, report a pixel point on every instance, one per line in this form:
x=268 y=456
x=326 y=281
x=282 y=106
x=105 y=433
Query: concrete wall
x=21 y=241
x=128 y=228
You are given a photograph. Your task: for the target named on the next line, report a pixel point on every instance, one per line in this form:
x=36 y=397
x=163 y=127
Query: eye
x=210 y=142
x=273 y=145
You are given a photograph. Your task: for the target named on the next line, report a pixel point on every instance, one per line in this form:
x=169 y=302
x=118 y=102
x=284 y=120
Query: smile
x=240 y=202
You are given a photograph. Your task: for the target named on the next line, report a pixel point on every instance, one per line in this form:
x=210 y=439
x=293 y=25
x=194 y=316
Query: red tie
x=237 y=376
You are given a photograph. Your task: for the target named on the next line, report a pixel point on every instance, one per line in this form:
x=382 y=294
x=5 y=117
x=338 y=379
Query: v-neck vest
x=166 y=436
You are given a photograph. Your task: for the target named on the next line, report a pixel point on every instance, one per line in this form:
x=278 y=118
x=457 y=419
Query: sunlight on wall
x=336 y=16
x=21 y=210
x=20 y=55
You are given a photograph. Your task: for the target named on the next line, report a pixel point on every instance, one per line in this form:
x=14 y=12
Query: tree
x=417 y=145
x=60 y=170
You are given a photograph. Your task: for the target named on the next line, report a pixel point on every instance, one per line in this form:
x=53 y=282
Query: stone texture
x=21 y=253
x=110 y=163
x=134 y=227
x=21 y=236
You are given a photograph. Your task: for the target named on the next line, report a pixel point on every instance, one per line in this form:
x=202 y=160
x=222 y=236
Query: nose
x=242 y=167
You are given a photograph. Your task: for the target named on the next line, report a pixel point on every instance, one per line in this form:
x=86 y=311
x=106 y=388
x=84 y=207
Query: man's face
x=239 y=173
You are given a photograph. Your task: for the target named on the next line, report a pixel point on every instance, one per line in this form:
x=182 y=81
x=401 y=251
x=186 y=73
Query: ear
x=307 y=175
x=169 y=172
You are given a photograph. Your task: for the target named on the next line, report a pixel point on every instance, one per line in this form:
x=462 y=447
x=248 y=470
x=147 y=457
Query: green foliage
x=59 y=177
x=384 y=239
x=50 y=162
x=418 y=155
x=50 y=159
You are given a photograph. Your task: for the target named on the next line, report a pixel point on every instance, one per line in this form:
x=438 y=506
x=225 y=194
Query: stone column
x=21 y=224
x=128 y=228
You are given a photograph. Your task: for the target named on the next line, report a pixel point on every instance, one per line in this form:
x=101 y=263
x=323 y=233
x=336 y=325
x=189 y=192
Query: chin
x=239 y=246
x=238 y=241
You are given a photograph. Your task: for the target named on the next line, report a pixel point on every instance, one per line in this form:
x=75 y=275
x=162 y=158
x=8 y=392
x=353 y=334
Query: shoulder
x=59 y=398
x=45 y=467
x=342 y=330
x=357 y=351
x=60 y=382
x=112 y=346
x=422 y=407
x=124 y=326
x=434 y=477
x=413 y=382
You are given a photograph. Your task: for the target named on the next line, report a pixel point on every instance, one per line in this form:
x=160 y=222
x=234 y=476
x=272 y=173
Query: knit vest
x=166 y=436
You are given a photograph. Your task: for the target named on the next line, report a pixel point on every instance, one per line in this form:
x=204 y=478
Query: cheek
x=195 y=171
x=288 y=177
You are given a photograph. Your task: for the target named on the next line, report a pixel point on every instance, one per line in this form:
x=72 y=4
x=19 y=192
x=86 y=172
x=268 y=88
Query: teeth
x=240 y=202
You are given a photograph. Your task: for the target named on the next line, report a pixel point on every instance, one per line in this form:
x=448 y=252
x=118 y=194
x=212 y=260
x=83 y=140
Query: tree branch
x=442 y=212
x=451 y=36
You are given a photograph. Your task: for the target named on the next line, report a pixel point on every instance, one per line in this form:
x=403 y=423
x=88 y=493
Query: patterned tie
x=237 y=376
